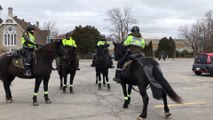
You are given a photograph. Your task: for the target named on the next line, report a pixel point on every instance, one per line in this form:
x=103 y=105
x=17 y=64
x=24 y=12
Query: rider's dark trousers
x=28 y=55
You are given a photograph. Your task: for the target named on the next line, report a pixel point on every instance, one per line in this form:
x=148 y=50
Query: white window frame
x=9 y=36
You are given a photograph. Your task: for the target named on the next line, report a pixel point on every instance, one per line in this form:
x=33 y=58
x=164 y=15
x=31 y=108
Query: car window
x=201 y=59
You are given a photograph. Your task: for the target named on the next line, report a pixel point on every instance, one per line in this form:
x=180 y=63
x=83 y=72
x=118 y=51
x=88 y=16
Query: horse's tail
x=169 y=90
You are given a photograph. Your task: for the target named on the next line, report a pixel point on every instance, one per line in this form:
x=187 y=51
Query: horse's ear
x=114 y=43
x=122 y=42
x=60 y=41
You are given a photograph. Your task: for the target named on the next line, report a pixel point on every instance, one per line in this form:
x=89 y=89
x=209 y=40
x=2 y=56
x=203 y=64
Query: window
x=9 y=21
x=10 y=36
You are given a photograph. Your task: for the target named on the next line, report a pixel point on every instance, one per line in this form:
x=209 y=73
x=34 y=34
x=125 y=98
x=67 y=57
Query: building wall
x=18 y=37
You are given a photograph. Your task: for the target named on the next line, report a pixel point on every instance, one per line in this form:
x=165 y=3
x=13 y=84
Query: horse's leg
x=145 y=102
x=129 y=93
x=97 y=77
x=166 y=108
x=65 y=83
x=7 y=83
x=45 y=83
x=107 y=81
x=61 y=82
x=125 y=105
x=99 y=80
x=36 y=89
x=104 y=79
x=72 y=75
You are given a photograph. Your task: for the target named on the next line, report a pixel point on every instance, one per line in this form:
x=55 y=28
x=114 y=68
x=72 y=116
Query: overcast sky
x=156 y=18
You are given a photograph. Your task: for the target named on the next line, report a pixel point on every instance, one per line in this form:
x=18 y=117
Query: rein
x=138 y=90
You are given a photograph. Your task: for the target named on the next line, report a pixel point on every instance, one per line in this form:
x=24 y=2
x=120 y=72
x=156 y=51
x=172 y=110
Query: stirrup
x=118 y=80
x=27 y=73
x=112 y=66
x=92 y=65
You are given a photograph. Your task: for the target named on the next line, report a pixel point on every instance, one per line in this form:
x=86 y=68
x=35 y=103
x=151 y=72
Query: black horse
x=102 y=64
x=144 y=71
x=67 y=64
x=41 y=70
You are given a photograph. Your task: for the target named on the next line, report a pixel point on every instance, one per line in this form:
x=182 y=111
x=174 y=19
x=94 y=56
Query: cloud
x=155 y=17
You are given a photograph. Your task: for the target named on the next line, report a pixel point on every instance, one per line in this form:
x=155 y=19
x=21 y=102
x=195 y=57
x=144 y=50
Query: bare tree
x=120 y=20
x=51 y=26
x=200 y=34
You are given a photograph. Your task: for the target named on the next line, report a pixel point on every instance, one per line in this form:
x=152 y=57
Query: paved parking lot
x=89 y=103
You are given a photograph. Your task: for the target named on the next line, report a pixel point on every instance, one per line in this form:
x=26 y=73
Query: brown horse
x=141 y=72
x=41 y=70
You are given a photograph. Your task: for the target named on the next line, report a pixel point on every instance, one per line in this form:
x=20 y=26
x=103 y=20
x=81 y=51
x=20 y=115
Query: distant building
x=12 y=28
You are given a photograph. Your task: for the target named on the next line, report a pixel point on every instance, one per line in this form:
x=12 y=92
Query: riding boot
x=93 y=63
x=27 y=71
x=117 y=77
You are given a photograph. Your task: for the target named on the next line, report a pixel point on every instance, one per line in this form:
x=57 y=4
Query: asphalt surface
x=89 y=103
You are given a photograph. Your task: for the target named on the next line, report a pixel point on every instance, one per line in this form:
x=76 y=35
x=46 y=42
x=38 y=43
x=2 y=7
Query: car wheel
x=212 y=72
x=198 y=73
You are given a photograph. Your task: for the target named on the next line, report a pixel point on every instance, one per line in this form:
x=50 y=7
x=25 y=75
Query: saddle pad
x=126 y=64
x=18 y=62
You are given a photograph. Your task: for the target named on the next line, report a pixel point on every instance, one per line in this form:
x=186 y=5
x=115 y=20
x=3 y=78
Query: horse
x=102 y=64
x=141 y=72
x=41 y=70
x=67 y=64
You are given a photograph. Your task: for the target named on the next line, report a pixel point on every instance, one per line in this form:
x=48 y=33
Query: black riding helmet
x=135 y=29
x=30 y=27
x=103 y=38
x=68 y=36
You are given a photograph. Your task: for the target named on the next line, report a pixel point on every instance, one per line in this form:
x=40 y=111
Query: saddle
x=132 y=57
x=18 y=59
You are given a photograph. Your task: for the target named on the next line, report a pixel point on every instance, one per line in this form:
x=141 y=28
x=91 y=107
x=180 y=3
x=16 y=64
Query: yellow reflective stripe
x=129 y=95
x=125 y=98
x=45 y=92
x=35 y=94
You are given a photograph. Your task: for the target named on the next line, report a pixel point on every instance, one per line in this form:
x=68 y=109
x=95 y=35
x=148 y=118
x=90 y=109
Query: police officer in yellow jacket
x=69 y=41
x=103 y=43
x=135 y=44
x=28 y=42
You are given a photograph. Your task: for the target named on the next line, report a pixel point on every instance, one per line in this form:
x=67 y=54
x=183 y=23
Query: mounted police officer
x=28 y=42
x=135 y=44
x=68 y=41
x=103 y=43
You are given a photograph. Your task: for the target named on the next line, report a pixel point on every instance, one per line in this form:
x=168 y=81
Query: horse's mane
x=46 y=51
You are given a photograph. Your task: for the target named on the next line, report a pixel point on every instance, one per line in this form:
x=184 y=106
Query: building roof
x=41 y=35
x=1 y=8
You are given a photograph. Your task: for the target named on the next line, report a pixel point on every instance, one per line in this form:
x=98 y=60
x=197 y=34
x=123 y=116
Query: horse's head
x=68 y=52
x=119 y=50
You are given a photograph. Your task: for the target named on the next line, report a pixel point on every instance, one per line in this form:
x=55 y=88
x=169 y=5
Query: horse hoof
x=35 y=104
x=139 y=118
x=167 y=114
x=125 y=106
x=48 y=102
x=9 y=101
x=108 y=87
x=64 y=91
